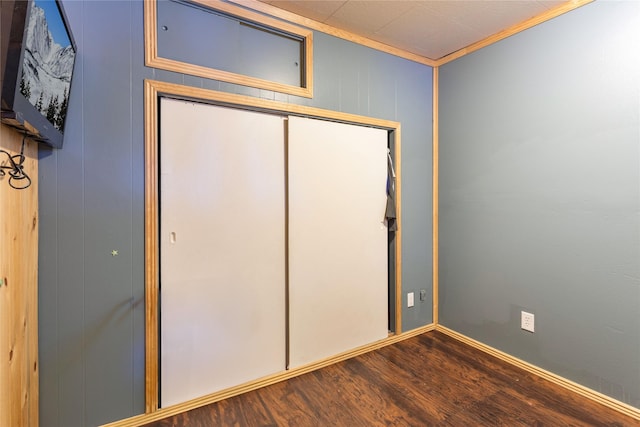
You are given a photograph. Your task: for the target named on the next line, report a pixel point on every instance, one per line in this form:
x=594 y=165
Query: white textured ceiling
x=429 y=28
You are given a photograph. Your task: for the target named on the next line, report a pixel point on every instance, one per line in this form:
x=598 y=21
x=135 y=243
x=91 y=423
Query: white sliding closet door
x=337 y=240
x=222 y=266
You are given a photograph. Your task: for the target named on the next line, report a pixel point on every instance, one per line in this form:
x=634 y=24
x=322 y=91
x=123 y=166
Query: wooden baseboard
x=263 y=382
x=556 y=379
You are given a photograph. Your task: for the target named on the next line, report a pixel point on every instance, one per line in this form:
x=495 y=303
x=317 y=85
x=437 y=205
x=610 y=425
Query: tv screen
x=37 y=69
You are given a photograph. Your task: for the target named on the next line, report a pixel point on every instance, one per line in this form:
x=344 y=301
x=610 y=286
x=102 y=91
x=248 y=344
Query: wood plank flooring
x=428 y=380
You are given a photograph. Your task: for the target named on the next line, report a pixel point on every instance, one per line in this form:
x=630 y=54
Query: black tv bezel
x=16 y=110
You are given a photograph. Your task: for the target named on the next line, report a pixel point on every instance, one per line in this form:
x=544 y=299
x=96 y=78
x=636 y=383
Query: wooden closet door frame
x=154 y=90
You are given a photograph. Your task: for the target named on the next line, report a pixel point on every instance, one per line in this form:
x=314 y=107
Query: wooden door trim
x=153 y=90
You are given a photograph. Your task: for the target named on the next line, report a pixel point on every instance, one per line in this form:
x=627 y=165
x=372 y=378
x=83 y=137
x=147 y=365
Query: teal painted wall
x=91 y=304
x=540 y=196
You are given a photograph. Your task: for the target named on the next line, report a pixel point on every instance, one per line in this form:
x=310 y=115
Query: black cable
x=18 y=178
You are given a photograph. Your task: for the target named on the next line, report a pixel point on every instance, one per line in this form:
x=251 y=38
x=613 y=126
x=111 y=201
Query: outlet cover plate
x=410 y=299
x=527 y=321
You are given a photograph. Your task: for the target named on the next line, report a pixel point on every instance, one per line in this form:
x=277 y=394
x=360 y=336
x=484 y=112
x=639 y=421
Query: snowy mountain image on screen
x=47 y=68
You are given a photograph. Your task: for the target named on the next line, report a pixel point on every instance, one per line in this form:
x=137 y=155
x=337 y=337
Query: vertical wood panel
x=151 y=249
x=398 y=267
x=18 y=291
x=434 y=215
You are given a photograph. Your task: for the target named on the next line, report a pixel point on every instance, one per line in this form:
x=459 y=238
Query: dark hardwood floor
x=428 y=380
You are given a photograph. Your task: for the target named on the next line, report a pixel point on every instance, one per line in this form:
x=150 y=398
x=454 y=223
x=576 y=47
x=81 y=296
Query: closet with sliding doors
x=273 y=244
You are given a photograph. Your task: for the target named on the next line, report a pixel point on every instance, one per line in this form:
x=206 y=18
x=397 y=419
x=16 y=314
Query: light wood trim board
x=151 y=251
x=435 y=202
x=244 y=101
x=19 y=372
x=397 y=163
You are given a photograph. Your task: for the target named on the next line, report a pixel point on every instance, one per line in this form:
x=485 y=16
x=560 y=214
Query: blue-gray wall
x=540 y=196
x=91 y=202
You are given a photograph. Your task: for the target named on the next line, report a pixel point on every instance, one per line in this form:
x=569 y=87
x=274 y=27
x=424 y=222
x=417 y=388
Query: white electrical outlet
x=527 y=321
x=410 y=299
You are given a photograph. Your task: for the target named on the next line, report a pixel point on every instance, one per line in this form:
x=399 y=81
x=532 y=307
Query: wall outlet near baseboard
x=527 y=321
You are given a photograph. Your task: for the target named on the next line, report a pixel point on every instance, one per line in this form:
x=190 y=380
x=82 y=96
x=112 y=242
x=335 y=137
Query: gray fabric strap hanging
x=390 y=211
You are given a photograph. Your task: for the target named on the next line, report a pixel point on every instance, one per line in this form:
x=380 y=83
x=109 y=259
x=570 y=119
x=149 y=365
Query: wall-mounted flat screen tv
x=38 y=54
